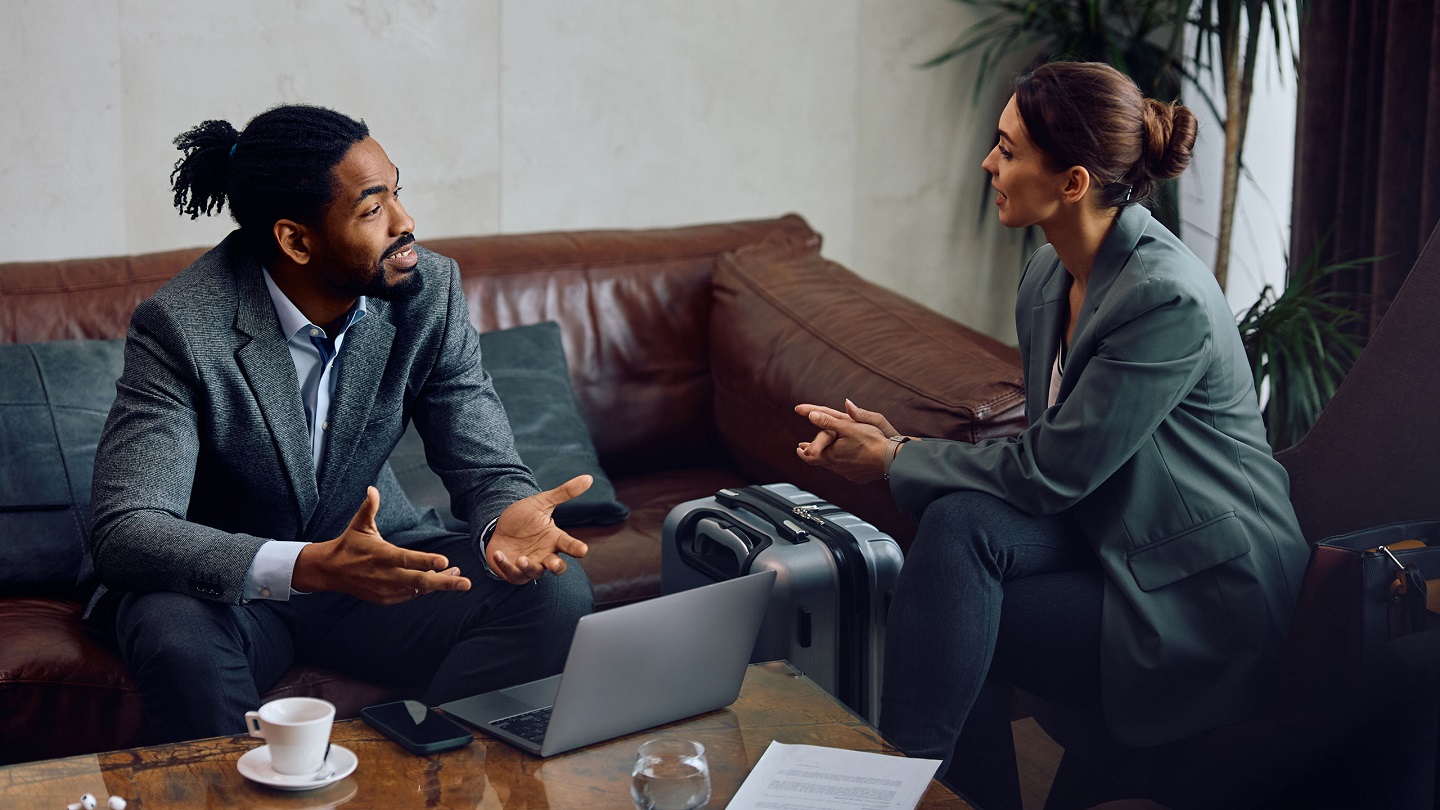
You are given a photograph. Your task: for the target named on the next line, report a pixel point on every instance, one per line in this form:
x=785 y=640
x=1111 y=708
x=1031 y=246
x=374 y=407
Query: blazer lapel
x=362 y=361
x=1110 y=261
x=270 y=372
x=1045 y=340
x=1114 y=254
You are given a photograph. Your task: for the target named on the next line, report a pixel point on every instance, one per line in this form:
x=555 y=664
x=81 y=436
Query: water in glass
x=670 y=775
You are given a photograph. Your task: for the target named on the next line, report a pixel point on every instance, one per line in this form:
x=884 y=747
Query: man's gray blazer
x=206 y=452
x=1157 y=449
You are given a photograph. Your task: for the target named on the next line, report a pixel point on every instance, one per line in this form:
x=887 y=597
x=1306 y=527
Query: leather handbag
x=1363 y=590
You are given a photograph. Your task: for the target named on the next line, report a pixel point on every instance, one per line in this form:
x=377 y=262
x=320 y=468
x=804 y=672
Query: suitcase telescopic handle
x=781 y=519
x=851 y=568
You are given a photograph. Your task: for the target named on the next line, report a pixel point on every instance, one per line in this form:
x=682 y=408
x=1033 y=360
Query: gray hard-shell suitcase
x=835 y=577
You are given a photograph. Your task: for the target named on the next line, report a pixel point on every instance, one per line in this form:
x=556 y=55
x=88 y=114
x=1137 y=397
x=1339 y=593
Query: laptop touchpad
x=535 y=694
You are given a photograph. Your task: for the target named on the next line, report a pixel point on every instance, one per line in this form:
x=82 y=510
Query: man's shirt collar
x=292 y=320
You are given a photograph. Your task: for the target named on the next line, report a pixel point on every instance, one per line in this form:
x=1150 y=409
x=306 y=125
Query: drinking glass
x=670 y=774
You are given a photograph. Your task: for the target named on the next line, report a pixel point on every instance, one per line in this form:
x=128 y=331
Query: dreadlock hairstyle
x=280 y=167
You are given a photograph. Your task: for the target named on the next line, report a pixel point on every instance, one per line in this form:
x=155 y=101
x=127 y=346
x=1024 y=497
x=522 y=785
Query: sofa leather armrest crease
x=686 y=348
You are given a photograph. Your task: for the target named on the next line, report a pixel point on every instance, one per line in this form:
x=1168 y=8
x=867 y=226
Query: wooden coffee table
x=777 y=703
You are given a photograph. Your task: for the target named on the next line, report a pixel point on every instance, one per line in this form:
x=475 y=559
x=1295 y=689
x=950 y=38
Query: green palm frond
x=1142 y=38
x=1302 y=342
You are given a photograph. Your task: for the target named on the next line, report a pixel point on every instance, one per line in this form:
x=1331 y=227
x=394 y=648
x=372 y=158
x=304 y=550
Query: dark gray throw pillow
x=54 y=398
x=527 y=364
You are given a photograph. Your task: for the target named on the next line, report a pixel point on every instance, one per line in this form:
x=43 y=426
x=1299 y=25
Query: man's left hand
x=527 y=543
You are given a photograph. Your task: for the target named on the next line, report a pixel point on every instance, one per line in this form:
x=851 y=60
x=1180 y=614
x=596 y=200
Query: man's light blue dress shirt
x=316 y=357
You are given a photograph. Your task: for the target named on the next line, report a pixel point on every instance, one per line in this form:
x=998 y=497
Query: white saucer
x=255 y=766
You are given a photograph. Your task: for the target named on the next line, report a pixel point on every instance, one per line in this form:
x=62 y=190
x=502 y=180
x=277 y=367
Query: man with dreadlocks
x=264 y=388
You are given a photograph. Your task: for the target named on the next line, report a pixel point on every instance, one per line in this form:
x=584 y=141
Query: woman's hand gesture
x=854 y=443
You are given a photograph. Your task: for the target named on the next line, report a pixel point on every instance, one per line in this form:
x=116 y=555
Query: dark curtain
x=1367 y=142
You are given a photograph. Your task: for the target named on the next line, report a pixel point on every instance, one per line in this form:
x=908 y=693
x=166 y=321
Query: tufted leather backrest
x=79 y=299
x=633 y=307
x=790 y=326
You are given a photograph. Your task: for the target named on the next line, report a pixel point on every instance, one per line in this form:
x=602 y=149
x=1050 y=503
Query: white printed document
x=811 y=777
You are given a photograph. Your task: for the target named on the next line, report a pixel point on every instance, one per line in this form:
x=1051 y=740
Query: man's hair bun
x=200 y=176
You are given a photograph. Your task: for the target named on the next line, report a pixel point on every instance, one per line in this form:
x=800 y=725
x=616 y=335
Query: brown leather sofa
x=687 y=348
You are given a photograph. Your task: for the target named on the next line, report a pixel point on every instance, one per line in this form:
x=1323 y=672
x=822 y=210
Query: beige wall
x=522 y=115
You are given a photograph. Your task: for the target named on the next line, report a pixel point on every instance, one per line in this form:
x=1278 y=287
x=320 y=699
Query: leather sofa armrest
x=788 y=326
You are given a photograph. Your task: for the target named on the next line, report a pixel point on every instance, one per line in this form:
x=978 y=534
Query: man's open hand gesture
x=527 y=543
x=363 y=564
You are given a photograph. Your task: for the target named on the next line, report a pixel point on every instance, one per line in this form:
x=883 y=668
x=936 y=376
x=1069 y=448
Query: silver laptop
x=631 y=668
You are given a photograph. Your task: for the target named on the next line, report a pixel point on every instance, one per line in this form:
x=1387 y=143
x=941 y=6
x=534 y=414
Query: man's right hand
x=361 y=563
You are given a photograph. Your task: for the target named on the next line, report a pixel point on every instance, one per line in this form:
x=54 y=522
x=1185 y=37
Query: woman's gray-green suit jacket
x=1156 y=448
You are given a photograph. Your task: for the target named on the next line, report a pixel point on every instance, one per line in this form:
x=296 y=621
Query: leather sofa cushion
x=54 y=679
x=77 y=299
x=929 y=375
x=633 y=305
x=54 y=398
x=634 y=308
x=527 y=366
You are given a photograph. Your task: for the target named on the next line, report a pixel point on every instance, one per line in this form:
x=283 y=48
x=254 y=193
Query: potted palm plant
x=1229 y=35
x=1301 y=342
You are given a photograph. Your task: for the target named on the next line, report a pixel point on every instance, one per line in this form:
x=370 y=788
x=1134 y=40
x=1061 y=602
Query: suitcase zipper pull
x=773 y=514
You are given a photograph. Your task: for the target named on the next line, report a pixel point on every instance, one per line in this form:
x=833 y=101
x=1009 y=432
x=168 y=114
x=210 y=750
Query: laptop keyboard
x=529 y=725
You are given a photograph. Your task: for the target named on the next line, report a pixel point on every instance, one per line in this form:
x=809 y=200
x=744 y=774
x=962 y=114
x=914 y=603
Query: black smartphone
x=418 y=729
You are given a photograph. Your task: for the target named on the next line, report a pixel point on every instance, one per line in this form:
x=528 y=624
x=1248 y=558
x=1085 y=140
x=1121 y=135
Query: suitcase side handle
x=725 y=537
x=718 y=546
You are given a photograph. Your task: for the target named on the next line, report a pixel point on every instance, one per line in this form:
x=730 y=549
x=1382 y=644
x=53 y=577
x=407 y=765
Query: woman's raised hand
x=873 y=418
x=851 y=443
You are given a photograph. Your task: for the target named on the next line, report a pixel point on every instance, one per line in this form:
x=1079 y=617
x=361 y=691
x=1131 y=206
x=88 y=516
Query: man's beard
x=407 y=286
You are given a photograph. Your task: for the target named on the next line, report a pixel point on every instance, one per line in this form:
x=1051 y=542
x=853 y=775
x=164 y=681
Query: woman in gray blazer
x=1134 y=549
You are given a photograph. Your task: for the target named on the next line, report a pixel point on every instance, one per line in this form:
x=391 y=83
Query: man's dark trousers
x=201 y=665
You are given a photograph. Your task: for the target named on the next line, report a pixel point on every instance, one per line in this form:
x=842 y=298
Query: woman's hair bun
x=1090 y=114
x=1169 y=139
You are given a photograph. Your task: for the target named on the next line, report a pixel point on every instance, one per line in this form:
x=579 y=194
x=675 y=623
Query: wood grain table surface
x=776 y=703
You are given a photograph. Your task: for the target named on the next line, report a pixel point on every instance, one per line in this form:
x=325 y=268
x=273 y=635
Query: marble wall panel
x=925 y=223
x=421 y=73
x=62 y=161
x=638 y=113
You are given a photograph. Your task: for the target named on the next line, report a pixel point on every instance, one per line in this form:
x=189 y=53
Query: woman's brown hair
x=1089 y=114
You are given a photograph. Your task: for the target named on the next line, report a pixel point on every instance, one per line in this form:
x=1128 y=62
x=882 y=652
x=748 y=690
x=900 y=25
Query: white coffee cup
x=296 y=729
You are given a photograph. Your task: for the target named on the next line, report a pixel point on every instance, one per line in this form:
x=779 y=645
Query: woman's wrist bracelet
x=894 y=451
